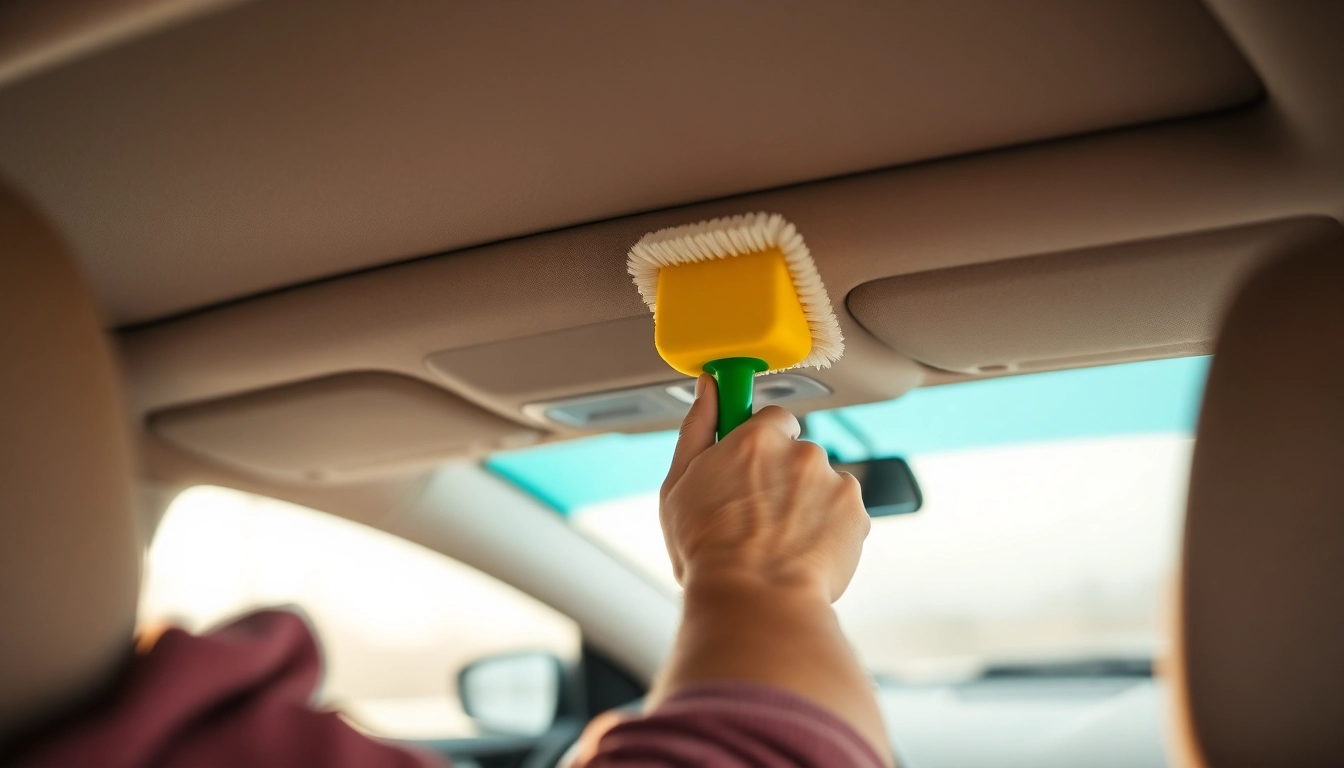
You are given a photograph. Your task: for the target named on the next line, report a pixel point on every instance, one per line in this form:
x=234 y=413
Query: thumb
x=697 y=429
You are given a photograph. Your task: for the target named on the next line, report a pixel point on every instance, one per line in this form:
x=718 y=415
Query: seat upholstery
x=1260 y=651
x=69 y=550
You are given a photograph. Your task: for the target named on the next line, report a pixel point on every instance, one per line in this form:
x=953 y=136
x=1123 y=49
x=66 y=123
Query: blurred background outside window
x=1052 y=512
x=395 y=620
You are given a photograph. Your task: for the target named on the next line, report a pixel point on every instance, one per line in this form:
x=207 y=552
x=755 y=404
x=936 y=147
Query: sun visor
x=609 y=355
x=1133 y=301
x=345 y=427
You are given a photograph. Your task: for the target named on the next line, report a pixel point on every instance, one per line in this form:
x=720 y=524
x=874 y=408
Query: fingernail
x=699 y=386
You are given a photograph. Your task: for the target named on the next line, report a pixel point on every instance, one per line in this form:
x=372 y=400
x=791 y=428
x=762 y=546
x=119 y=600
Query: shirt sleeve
x=244 y=695
x=241 y=695
x=735 y=725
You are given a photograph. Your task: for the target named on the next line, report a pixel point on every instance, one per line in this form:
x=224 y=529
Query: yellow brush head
x=744 y=286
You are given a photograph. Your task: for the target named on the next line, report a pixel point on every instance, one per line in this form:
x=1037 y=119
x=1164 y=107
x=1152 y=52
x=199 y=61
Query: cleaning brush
x=735 y=297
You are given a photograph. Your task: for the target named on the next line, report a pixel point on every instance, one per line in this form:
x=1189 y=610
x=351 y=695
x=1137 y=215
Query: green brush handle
x=735 y=376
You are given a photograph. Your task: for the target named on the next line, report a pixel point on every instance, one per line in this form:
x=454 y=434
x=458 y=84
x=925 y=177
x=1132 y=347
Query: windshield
x=1052 y=508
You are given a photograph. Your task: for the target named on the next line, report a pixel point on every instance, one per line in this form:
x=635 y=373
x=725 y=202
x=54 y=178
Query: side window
x=396 y=621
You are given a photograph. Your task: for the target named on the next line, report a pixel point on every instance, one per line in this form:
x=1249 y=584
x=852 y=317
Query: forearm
x=743 y=627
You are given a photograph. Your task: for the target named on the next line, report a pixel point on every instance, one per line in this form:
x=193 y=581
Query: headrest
x=69 y=551
x=1261 y=649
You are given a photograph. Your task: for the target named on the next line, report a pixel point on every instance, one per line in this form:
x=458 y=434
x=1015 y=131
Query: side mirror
x=516 y=694
x=889 y=486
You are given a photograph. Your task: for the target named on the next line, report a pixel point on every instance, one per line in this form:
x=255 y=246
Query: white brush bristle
x=736 y=236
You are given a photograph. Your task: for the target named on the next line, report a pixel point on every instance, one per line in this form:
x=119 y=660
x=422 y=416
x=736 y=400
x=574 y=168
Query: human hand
x=764 y=536
x=760 y=505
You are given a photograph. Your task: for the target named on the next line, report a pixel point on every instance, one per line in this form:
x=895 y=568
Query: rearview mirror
x=516 y=694
x=889 y=486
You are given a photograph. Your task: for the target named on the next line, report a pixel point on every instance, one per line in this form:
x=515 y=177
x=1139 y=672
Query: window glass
x=396 y=621
x=1052 y=509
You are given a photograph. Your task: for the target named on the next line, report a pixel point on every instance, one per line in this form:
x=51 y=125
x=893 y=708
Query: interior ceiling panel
x=273 y=143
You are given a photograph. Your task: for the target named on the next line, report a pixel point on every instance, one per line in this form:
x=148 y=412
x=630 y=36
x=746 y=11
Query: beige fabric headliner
x=1284 y=158
x=277 y=142
x=1280 y=159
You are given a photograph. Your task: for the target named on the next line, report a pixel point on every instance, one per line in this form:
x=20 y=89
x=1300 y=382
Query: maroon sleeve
x=735 y=725
x=239 y=696
x=243 y=696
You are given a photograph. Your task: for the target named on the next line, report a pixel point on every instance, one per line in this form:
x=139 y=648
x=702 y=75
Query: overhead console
x=599 y=377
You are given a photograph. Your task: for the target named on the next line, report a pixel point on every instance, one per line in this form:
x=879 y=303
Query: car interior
x=369 y=259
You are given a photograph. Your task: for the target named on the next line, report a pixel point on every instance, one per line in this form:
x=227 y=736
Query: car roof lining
x=268 y=144
x=1275 y=159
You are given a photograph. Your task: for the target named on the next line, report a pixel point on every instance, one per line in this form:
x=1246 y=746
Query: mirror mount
x=889 y=485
